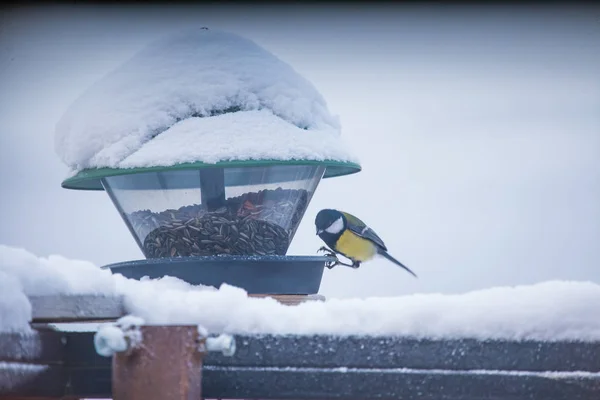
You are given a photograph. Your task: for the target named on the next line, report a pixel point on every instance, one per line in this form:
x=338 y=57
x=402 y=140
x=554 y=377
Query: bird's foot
x=327 y=252
x=331 y=264
x=324 y=249
x=330 y=253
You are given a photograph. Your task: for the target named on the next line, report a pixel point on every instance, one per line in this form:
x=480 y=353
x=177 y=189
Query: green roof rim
x=89 y=179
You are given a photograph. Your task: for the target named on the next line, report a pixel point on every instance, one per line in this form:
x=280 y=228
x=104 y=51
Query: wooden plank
x=89 y=383
x=328 y=383
x=322 y=383
x=45 y=347
x=392 y=352
x=309 y=367
x=385 y=352
x=31 y=380
x=83 y=308
x=76 y=308
x=81 y=353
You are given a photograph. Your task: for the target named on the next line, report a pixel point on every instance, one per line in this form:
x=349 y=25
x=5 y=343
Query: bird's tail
x=392 y=259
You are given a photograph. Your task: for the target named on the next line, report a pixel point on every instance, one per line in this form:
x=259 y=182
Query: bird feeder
x=186 y=216
x=245 y=208
x=226 y=221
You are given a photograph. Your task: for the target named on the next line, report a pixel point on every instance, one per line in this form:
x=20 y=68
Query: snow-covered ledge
x=548 y=311
x=537 y=341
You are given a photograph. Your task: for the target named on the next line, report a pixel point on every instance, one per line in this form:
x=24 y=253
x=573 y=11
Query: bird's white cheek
x=336 y=227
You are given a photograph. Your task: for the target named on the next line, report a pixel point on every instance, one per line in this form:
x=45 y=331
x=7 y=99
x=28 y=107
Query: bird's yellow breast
x=355 y=247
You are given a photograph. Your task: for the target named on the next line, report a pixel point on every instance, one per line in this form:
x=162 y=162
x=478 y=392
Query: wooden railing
x=49 y=363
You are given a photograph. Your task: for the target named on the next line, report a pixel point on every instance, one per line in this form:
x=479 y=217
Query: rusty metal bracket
x=223 y=343
x=167 y=365
x=120 y=336
x=157 y=362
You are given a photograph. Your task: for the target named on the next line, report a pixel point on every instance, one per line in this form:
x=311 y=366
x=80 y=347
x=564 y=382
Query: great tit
x=347 y=235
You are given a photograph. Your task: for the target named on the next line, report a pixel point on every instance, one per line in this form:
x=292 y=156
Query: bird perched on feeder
x=347 y=235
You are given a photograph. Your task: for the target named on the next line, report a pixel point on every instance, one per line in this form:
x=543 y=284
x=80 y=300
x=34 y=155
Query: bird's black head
x=330 y=223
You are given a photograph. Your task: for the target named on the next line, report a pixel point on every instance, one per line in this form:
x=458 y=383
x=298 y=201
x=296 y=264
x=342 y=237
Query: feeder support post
x=212 y=188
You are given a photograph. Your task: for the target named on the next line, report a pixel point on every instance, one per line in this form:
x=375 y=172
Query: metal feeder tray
x=297 y=275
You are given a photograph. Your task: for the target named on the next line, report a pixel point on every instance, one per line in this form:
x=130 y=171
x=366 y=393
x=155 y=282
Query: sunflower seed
x=252 y=224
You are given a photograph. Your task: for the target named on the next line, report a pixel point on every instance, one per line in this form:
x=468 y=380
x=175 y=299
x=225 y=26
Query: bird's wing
x=361 y=229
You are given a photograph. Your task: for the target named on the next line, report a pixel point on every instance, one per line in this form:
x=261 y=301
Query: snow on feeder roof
x=207 y=144
x=200 y=96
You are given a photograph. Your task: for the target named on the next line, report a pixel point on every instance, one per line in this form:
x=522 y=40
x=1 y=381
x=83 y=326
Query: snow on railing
x=548 y=311
x=537 y=341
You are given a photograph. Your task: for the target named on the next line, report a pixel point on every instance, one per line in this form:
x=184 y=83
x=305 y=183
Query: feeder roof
x=200 y=96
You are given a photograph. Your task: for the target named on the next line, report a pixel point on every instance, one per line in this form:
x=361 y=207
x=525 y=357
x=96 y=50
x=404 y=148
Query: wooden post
x=166 y=366
x=291 y=299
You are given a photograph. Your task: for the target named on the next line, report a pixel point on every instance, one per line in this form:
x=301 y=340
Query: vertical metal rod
x=167 y=366
x=212 y=188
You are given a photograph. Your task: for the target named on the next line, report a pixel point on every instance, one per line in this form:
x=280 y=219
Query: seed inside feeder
x=251 y=210
x=251 y=224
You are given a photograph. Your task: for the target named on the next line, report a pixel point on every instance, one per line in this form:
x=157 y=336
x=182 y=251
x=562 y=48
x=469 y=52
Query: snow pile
x=15 y=309
x=554 y=310
x=191 y=77
x=119 y=336
x=255 y=134
x=23 y=274
x=546 y=311
x=54 y=274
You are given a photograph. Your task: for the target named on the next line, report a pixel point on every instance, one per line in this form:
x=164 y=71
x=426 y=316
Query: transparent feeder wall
x=212 y=211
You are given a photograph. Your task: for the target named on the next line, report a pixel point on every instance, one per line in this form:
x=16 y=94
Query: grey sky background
x=478 y=131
